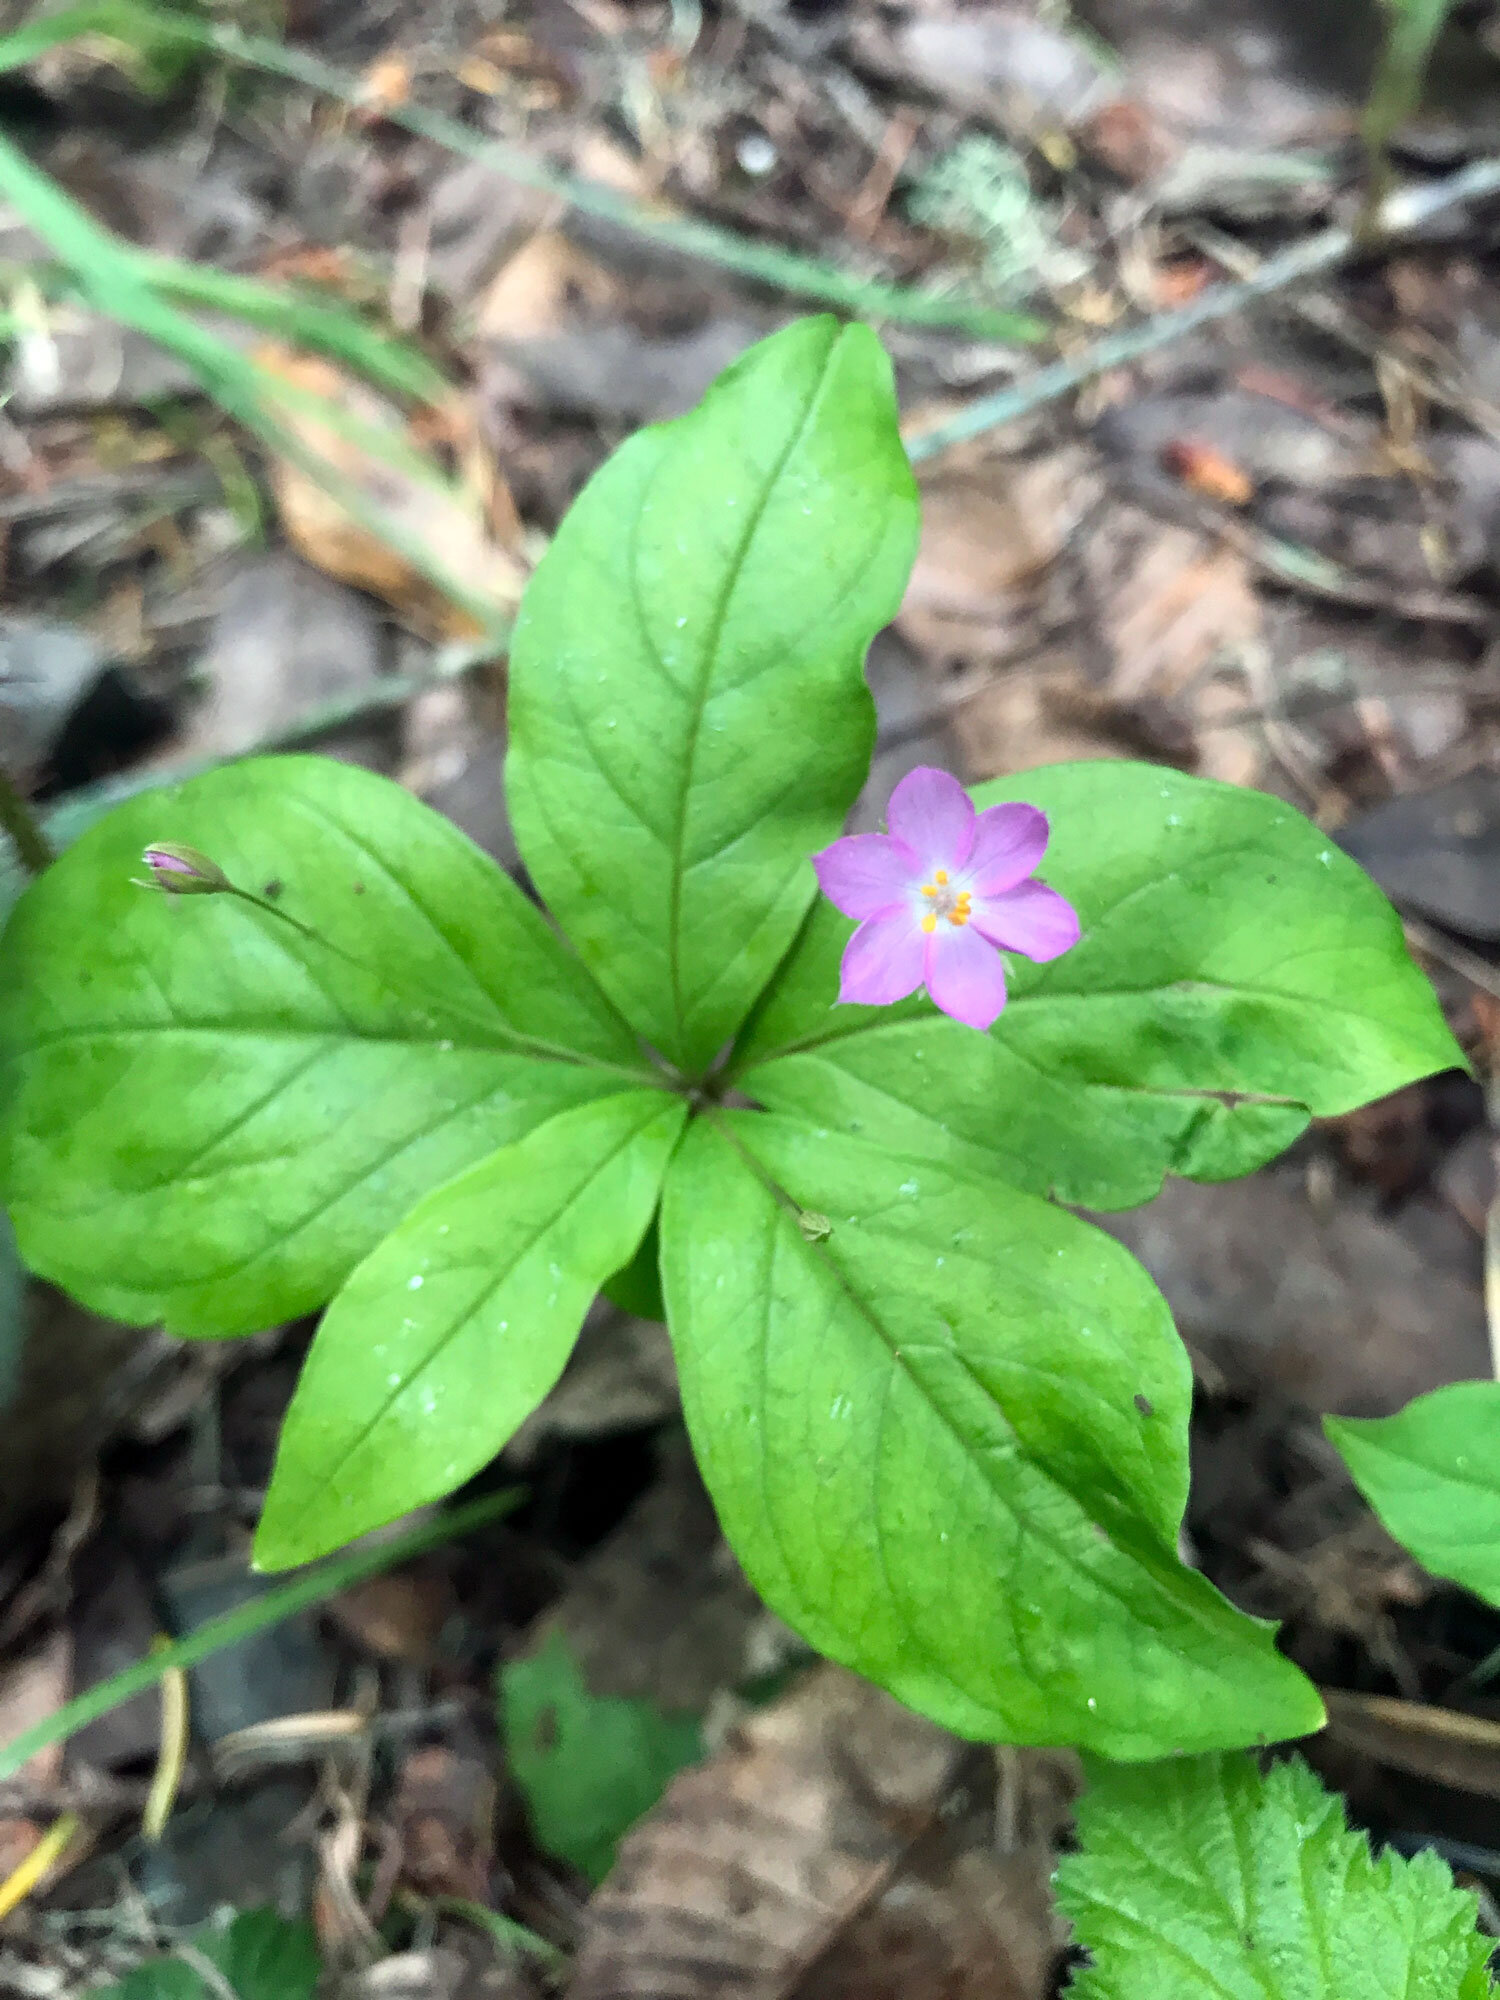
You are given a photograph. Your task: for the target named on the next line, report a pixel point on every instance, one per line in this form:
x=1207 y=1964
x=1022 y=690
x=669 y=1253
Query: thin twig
x=18 y=820
x=1399 y=215
x=1327 y=315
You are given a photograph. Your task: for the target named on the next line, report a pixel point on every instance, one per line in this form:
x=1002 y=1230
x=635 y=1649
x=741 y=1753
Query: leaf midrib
x=897 y=1351
x=487 y=1291
x=699 y=694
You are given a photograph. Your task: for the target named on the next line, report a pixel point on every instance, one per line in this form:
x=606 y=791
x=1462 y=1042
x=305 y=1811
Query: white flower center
x=944 y=900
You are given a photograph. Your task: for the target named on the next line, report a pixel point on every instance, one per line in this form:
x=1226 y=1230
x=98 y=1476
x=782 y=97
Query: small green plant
x=331 y=1052
x=1412 y=29
x=1208 y=1880
x=945 y=1427
x=256 y=1956
x=588 y=1765
x=1432 y=1474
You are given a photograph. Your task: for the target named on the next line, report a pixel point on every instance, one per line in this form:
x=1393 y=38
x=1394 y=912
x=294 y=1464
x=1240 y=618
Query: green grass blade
x=303 y=320
x=106 y=272
x=764 y=263
x=233 y=1627
x=1412 y=29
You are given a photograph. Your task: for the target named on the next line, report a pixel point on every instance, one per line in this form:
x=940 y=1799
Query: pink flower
x=937 y=894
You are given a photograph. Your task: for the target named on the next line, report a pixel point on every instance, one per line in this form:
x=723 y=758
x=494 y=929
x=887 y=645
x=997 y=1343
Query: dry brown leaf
x=1043 y=712
x=31 y=1690
x=598 y=157
x=818 y=1854
x=385 y=84
x=1440 y=1744
x=1167 y=602
x=659 y=1610
x=399 y=1616
x=541 y=289
x=444 y=1813
x=19 y=1838
x=991 y=530
x=1335 y=1305
x=454 y=521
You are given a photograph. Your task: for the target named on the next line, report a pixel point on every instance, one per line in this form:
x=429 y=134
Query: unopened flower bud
x=183 y=871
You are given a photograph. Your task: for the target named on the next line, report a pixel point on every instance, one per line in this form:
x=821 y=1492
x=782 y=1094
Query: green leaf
x=589 y=1765
x=947 y=1439
x=636 y=1287
x=208 y=1116
x=12 y=1310
x=260 y=1956
x=1236 y=974
x=1432 y=1474
x=689 y=718
x=451 y=1332
x=1411 y=33
x=1203 y=1878
x=264 y=1957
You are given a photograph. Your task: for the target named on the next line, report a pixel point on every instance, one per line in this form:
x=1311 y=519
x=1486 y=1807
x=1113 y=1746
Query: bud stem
x=283 y=916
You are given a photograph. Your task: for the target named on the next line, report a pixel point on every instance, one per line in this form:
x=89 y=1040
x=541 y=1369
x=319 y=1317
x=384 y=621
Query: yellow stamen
x=928 y=890
x=929 y=923
x=941 y=875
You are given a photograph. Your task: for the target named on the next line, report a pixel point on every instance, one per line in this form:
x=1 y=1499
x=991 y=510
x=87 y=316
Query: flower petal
x=883 y=960
x=964 y=975
x=931 y=812
x=1031 y=919
x=866 y=873
x=1009 y=842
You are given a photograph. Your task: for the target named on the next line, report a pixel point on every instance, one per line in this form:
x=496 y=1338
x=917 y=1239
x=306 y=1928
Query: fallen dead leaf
x=444 y=1814
x=621 y=1377
x=399 y=1616
x=443 y=1972
x=454 y=521
x=991 y=531
x=541 y=288
x=1044 y=712
x=313 y=264
x=1081 y=630
x=660 y=1611
x=18 y=1838
x=1166 y=602
x=31 y=1690
x=821 y=1853
x=285 y=638
x=1026 y=74
x=1124 y=137
x=1438 y=852
x=1326 y=1301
